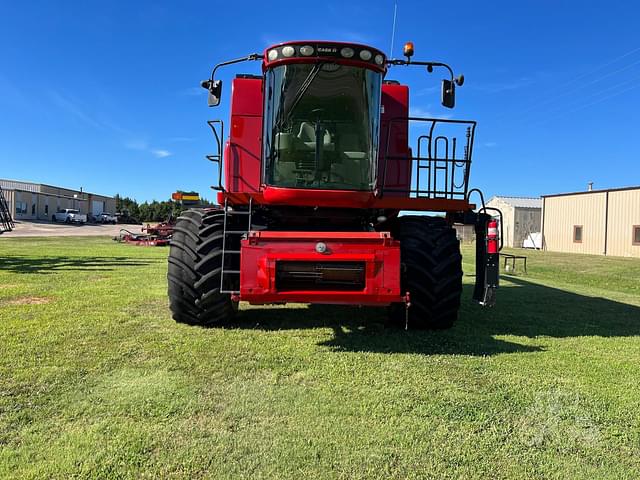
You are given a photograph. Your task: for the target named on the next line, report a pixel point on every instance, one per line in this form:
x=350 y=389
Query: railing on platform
x=441 y=167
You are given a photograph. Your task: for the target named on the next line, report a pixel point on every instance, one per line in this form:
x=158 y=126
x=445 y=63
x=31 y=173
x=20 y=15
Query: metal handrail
x=217 y=157
x=448 y=162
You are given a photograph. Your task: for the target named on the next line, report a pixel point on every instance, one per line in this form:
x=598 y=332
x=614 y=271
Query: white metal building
x=38 y=201
x=600 y=222
x=521 y=217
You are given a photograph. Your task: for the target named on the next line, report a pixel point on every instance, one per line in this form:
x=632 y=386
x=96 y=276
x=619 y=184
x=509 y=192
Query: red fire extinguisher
x=492 y=236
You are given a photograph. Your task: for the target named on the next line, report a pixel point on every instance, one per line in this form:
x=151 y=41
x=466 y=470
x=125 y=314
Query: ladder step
x=231 y=271
x=236 y=232
x=237 y=212
x=232 y=251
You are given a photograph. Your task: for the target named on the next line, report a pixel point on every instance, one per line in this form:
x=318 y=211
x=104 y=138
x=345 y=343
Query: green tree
x=153 y=211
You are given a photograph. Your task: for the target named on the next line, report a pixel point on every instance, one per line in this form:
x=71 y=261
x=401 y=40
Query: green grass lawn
x=97 y=381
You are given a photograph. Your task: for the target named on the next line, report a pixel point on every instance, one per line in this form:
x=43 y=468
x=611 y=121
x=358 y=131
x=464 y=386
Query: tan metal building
x=599 y=222
x=521 y=217
x=38 y=201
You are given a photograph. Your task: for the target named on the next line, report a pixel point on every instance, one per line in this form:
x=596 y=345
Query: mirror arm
x=429 y=65
x=253 y=56
x=437 y=64
x=208 y=83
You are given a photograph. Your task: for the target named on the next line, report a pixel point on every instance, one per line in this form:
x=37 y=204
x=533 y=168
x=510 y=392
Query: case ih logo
x=327 y=50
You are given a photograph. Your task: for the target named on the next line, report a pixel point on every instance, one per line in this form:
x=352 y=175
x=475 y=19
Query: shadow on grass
x=45 y=265
x=524 y=309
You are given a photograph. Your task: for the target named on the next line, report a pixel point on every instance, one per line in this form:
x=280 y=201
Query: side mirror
x=215 y=91
x=448 y=97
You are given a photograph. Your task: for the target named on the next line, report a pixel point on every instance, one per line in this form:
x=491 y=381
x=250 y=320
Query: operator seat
x=307 y=134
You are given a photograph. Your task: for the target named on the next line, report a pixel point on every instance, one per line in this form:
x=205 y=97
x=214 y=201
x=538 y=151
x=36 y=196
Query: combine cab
x=317 y=167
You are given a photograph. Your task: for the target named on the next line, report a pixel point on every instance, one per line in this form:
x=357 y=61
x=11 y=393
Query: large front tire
x=431 y=271
x=195 y=265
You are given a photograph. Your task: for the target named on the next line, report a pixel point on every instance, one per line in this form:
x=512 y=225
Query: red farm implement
x=158 y=235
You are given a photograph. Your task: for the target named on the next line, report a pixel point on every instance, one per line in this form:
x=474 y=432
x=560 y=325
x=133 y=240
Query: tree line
x=153 y=211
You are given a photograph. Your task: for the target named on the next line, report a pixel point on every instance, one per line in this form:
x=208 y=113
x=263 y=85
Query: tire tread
x=432 y=270
x=195 y=261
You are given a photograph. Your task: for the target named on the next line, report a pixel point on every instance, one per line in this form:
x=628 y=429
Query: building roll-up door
x=97 y=207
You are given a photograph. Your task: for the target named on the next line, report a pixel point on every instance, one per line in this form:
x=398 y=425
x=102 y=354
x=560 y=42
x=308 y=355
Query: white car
x=106 y=218
x=69 y=215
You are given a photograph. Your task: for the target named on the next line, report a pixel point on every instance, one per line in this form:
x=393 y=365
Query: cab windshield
x=321 y=126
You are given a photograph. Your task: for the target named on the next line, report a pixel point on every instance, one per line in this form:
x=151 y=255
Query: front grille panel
x=321 y=276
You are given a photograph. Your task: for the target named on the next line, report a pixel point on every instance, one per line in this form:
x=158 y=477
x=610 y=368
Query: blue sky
x=105 y=95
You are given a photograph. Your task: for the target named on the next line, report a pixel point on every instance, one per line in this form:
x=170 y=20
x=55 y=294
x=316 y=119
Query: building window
x=636 y=234
x=577 y=234
x=46 y=209
x=33 y=209
x=21 y=208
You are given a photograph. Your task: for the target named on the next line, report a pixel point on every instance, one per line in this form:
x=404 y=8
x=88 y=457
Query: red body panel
x=313 y=198
x=243 y=151
x=263 y=249
x=395 y=104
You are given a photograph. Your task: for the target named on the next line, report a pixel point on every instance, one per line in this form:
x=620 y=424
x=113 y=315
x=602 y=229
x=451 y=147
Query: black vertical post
x=487 y=265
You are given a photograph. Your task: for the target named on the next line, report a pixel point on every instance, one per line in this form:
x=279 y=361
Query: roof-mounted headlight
x=272 y=55
x=347 y=52
x=379 y=59
x=306 y=50
x=288 y=51
x=365 y=55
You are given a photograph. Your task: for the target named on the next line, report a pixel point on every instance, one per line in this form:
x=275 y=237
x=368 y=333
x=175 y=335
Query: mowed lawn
x=97 y=381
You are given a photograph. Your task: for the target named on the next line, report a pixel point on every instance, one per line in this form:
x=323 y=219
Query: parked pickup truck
x=106 y=218
x=69 y=215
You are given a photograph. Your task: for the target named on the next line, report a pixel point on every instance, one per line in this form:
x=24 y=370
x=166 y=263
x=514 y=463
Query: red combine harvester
x=317 y=168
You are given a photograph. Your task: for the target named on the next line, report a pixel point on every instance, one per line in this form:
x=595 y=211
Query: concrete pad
x=48 y=229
